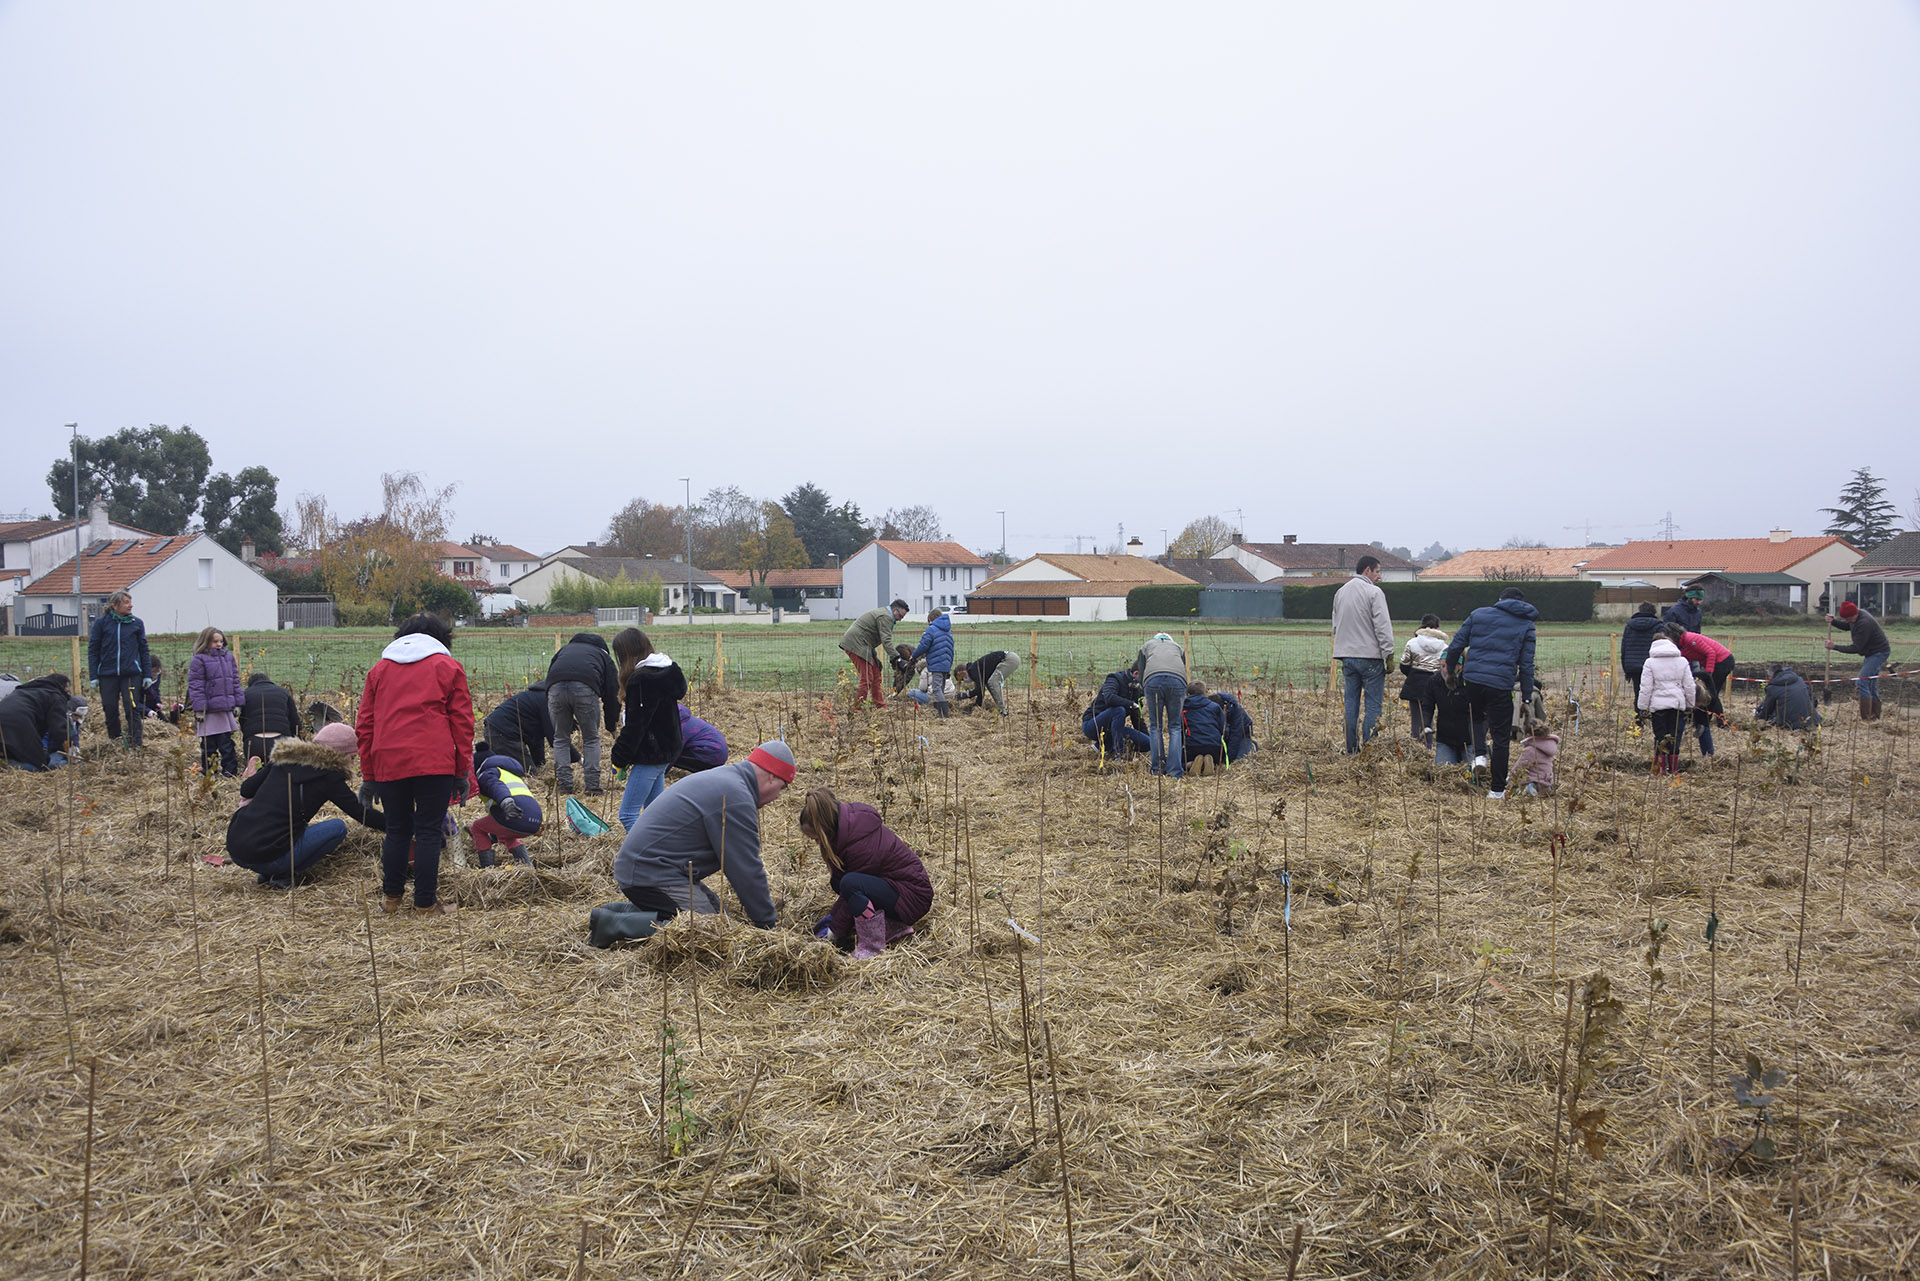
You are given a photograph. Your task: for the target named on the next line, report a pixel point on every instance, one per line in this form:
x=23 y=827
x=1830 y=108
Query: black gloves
x=510 y=810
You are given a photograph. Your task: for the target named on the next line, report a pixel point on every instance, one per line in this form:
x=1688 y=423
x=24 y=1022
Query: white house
x=30 y=548
x=709 y=592
x=924 y=575
x=1069 y=588
x=1291 y=558
x=179 y=584
x=1663 y=563
x=485 y=567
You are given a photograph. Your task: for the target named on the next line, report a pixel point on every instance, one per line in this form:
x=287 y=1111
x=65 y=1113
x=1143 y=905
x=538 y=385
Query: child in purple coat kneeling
x=883 y=885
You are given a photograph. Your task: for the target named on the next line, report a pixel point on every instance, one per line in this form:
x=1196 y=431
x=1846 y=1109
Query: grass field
x=807 y=657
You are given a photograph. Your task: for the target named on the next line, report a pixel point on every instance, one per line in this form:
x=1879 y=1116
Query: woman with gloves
x=883 y=885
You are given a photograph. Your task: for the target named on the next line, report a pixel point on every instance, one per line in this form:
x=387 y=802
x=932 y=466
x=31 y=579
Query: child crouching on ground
x=512 y=811
x=883 y=885
x=1537 y=752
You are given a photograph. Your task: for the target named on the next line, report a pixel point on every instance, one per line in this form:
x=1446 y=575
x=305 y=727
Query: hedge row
x=1558 y=602
x=1180 y=600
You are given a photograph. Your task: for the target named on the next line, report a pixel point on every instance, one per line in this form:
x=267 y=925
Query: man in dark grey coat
x=1789 y=700
x=583 y=687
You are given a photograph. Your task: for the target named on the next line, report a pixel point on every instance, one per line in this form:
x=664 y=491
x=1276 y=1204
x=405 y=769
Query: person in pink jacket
x=1537 y=753
x=1666 y=690
x=1716 y=669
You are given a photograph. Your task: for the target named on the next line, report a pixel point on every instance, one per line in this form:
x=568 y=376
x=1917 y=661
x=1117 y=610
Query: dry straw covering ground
x=1318 y=1016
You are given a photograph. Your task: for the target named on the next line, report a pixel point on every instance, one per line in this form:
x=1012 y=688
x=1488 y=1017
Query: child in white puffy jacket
x=1420 y=663
x=1667 y=691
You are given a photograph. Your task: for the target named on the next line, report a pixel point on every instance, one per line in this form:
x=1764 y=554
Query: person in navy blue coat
x=1202 y=728
x=1635 y=640
x=118 y=662
x=1492 y=649
x=936 y=644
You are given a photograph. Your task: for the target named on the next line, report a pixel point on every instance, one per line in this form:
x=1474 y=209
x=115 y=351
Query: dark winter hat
x=1513 y=593
x=1849 y=610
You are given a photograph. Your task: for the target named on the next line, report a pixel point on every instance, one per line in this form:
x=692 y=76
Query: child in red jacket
x=883 y=885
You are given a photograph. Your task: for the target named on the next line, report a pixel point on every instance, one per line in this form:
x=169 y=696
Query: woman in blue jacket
x=936 y=644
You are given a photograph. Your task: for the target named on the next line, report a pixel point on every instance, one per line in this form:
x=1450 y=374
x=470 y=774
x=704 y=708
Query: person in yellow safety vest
x=512 y=811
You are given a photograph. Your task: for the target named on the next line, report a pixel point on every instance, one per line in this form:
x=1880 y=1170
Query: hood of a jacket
x=412 y=648
x=1433 y=633
x=42 y=682
x=1518 y=608
x=1645 y=623
x=857 y=822
x=1663 y=648
x=259 y=678
x=1545 y=744
x=301 y=752
x=655 y=659
x=590 y=638
x=1787 y=677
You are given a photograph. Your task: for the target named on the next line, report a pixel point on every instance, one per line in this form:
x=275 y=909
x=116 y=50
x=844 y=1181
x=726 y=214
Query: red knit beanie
x=1848 y=609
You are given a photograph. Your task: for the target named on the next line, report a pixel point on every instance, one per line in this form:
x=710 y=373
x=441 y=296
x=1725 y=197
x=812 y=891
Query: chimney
x=248 y=552
x=1343 y=558
x=1291 y=539
x=97 y=531
x=1135 y=547
x=1779 y=535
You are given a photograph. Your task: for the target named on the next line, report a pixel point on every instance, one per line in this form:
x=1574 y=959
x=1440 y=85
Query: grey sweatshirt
x=1161 y=658
x=1361 y=627
x=682 y=829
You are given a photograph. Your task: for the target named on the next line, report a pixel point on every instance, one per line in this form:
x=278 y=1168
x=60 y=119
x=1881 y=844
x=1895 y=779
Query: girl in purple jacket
x=214 y=693
x=882 y=883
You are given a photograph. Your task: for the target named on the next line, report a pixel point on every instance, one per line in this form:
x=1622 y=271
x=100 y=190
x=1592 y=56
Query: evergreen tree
x=1864 y=517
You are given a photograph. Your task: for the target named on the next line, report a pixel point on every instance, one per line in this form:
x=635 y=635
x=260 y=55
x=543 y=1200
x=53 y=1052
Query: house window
x=929 y=582
x=206 y=572
x=1870 y=597
x=1896 y=601
x=926 y=602
x=504 y=575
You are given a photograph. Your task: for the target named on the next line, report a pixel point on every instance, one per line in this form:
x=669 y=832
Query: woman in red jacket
x=1716 y=669
x=883 y=885
x=415 y=730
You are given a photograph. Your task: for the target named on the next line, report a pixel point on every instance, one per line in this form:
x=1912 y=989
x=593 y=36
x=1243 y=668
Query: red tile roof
x=1326 y=556
x=1733 y=555
x=927 y=553
x=111 y=566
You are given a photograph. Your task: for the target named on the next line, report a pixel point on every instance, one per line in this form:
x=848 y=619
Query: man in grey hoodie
x=1162 y=669
x=1363 y=646
x=707 y=823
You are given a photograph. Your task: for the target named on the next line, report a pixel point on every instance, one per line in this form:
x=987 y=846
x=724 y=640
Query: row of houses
x=188 y=581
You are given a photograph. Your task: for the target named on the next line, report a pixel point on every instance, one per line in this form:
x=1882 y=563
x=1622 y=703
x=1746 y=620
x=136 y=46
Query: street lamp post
x=686 y=603
x=1003 y=539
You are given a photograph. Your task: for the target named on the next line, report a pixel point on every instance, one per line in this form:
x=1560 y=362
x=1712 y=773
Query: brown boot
x=1876 y=707
x=1866 y=709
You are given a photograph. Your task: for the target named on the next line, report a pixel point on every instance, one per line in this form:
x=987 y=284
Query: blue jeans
x=644 y=785
x=319 y=840
x=859 y=889
x=1368 y=675
x=54 y=761
x=1447 y=754
x=1868 y=682
x=1166 y=692
x=1112 y=725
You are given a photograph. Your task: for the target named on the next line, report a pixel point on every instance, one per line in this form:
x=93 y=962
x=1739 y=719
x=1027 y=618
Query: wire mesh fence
x=807 y=658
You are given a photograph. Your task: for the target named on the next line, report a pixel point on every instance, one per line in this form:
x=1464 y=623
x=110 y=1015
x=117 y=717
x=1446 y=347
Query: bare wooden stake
x=373 y=966
x=1293 y=1254
x=1559 y=1109
x=1160 y=816
x=1060 y=1141
x=580 y=1255
x=59 y=970
x=663 y=1057
x=266 y=1085
x=738 y=1119
x=86 y=1194
x=1026 y=1035
x=1800 y=942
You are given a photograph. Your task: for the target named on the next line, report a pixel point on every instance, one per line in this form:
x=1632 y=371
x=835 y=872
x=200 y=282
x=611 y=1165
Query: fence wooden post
x=719 y=662
x=1033 y=660
x=556 y=642
x=1613 y=668
x=79 y=677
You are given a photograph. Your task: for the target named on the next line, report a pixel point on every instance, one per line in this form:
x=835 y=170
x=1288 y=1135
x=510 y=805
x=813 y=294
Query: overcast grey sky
x=1401 y=271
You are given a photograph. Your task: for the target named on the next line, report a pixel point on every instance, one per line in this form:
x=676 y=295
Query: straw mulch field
x=1466 y=1058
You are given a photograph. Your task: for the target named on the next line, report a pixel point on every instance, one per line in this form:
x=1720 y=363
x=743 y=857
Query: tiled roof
x=1327 y=556
x=1527 y=562
x=1900 y=550
x=1208 y=572
x=505 y=551
x=927 y=553
x=1027 y=590
x=1739 y=555
x=111 y=565
x=1133 y=570
x=21 y=531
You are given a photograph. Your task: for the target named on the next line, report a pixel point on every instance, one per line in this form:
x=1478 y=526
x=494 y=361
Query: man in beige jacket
x=1363 y=644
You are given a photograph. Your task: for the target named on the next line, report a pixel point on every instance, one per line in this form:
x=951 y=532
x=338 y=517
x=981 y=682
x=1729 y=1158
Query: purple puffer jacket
x=701 y=745
x=213 y=682
x=867 y=845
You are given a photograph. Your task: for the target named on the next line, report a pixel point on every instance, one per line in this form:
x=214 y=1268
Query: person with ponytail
x=652 y=685
x=883 y=885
